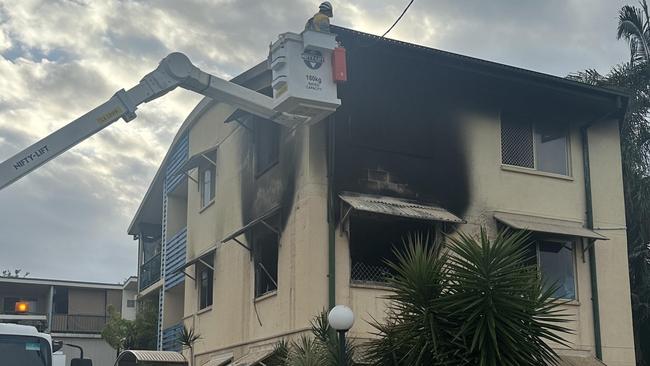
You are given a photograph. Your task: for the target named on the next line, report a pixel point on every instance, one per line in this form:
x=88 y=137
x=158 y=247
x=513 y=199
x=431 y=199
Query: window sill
x=266 y=296
x=206 y=206
x=567 y=302
x=204 y=310
x=371 y=285
x=511 y=168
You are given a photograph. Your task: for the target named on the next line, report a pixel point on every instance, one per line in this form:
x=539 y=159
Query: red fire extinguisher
x=339 y=66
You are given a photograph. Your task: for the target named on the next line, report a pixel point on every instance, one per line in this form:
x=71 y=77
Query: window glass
x=24 y=351
x=205 y=284
x=557 y=267
x=266 y=247
x=130 y=303
x=207 y=180
x=267 y=144
x=551 y=149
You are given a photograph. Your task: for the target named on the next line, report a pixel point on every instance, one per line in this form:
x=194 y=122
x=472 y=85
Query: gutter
x=590 y=225
x=331 y=225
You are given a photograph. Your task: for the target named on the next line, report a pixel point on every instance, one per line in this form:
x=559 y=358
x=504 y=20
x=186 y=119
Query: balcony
x=170 y=338
x=65 y=323
x=150 y=272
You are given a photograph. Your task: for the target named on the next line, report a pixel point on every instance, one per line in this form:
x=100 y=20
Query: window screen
x=517 y=144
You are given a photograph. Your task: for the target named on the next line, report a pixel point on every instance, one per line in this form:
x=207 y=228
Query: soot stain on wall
x=397 y=133
x=261 y=192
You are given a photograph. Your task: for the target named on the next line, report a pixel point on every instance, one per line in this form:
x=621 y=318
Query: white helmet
x=326 y=6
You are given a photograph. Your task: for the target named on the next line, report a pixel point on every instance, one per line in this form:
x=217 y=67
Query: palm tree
x=634 y=27
x=479 y=304
x=187 y=338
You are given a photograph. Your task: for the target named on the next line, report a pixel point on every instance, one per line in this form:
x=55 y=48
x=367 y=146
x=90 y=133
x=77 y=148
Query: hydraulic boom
x=175 y=70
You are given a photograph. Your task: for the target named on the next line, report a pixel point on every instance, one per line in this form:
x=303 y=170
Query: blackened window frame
x=434 y=229
x=266 y=242
x=267 y=136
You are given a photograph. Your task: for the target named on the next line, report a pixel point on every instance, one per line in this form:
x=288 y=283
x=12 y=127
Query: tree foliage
x=16 y=273
x=635 y=154
x=480 y=303
x=124 y=334
x=321 y=349
x=634 y=27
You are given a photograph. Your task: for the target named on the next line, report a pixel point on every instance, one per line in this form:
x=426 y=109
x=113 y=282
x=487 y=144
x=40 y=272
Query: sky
x=60 y=59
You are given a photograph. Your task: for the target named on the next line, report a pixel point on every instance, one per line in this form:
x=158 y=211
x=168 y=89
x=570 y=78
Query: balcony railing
x=66 y=323
x=150 y=272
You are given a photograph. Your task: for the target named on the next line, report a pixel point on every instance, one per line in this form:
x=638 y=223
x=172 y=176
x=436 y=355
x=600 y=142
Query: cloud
x=61 y=58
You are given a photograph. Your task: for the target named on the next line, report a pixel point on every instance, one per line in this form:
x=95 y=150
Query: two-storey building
x=74 y=312
x=249 y=229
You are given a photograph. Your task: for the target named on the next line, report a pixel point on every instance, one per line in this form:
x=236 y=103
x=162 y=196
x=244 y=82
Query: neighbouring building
x=249 y=229
x=74 y=312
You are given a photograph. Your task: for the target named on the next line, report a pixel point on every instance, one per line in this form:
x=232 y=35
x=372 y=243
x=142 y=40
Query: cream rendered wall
x=86 y=301
x=232 y=321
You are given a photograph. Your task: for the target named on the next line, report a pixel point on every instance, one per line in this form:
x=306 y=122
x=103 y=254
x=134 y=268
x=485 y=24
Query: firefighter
x=321 y=21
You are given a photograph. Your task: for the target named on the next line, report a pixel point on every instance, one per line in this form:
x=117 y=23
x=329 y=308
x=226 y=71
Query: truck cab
x=23 y=345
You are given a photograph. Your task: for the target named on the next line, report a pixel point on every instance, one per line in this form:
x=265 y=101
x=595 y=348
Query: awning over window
x=254 y=358
x=204 y=254
x=198 y=158
x=166 y=357
x=252 y=224
x=398 y=207
x=546 y=225
x=579 y=361
x=220 y=360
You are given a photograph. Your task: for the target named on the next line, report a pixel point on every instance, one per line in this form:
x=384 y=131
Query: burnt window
x=267 y=144
x=205 y=279
x=374 y=240
x=539 y=146
x=266 y=245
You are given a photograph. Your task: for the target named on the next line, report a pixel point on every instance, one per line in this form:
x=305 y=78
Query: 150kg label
x=314 y=82
x=109 y=116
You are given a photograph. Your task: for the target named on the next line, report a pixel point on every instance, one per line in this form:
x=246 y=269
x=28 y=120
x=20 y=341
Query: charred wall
x=397 y=132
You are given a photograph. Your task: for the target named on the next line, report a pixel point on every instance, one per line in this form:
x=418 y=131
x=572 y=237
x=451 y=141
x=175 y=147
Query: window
x=543 y=147
x=207 y=179
x=373 y=241
x=266 y=244
x=556 y=264
x=60 y=300
x=130 y=303
x=267 y=145
x=205 y=278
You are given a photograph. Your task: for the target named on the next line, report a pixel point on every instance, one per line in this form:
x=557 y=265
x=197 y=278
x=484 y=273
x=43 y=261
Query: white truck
x=23 y=345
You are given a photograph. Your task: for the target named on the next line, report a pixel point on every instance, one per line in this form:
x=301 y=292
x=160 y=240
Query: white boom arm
x=173 y=71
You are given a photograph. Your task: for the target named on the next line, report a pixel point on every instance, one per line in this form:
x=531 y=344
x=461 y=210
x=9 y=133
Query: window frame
x=535 y=168
x=209 y=300
x=130 y=301
x=566 y=241
x=260 y=171
x=256 y=259
x=207 y=166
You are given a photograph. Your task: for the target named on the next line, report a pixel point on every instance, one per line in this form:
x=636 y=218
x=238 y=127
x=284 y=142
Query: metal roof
x=546 y=225
x=251 y=224
x=220 y=360
x=398 y=207
x=254 y=358
x=153 y=356
x=468 y=63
